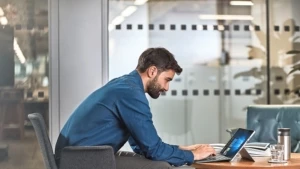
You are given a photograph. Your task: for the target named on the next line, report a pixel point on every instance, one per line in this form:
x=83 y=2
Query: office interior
x=54 y=53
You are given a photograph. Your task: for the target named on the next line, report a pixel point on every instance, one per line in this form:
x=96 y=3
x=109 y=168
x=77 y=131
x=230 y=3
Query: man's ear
x=152 y=71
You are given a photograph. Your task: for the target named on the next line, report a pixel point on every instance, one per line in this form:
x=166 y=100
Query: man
x=119 y=112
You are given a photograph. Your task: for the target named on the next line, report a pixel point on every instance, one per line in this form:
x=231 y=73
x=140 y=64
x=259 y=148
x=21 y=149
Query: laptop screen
x=237 y=141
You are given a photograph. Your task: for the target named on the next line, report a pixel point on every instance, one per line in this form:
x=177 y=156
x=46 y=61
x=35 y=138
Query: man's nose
x=166 y=88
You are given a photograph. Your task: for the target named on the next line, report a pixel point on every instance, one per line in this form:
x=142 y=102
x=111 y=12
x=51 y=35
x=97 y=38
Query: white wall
x=76 y=56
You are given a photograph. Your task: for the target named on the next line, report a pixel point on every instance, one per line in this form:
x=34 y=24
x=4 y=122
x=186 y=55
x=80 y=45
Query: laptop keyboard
x=217 y=157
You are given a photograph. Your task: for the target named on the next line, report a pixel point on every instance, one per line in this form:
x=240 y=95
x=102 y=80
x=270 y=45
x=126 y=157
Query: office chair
x=79 y=157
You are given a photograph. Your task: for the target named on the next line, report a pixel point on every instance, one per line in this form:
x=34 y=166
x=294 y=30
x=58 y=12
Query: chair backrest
x=43 y=139
x=266 y=119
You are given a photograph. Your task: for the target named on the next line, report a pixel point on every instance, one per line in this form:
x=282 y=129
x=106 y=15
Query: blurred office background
x=54 y=53
x=233 y=55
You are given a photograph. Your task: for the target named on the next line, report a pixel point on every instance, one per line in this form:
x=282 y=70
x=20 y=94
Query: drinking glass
x=276 y=152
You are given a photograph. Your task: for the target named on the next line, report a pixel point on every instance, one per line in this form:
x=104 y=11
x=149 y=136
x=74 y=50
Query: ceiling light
x=18 y=52
x=226 y=17
x=3 y=20
x=128 y=11
x=140 y=2
x=118 y=20
x=1 y=12
x=241 y=3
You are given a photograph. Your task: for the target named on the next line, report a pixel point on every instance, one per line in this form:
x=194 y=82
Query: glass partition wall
x=233 y=54
x=284 y=51
x=23 y=80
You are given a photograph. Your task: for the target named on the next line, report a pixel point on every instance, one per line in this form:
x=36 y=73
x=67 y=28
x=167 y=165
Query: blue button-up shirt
x=114 y=114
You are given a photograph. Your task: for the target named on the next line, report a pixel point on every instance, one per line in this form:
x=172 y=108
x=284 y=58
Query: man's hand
x=203 y=151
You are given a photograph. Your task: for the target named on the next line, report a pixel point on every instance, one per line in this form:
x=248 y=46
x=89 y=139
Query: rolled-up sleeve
x=135 y=112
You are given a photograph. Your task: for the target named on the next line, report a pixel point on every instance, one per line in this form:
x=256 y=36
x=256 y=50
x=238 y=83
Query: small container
x=284 y=138
x=277 y=151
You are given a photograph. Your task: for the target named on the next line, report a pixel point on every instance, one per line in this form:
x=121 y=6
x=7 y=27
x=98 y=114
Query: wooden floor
x=23 y=154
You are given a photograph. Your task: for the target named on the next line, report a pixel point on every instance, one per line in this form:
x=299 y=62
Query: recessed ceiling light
x=241 y=3
x=140 y=2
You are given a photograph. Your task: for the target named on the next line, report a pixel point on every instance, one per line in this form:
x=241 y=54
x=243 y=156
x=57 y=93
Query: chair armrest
x=87 y=157
x=231 y=131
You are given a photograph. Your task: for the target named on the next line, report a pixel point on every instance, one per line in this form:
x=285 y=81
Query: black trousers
x=130 y=160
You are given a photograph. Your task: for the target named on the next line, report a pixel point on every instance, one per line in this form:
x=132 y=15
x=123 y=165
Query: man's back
x=97 y=120
x=116 y=113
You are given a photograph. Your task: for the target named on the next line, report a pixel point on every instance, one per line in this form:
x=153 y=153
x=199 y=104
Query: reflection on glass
x=24 y=80
x=284 y=40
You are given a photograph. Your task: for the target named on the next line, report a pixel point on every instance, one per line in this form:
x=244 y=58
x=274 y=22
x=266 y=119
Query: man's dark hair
x=159 y=57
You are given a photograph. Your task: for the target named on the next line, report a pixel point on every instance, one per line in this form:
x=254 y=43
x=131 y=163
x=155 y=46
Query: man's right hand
x=203 y=151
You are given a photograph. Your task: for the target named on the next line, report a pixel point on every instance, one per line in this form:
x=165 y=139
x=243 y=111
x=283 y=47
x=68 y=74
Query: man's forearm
x=190 y=148
x=183 y=147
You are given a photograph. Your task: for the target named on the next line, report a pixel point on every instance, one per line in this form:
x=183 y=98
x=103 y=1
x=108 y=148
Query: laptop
x=234 y=146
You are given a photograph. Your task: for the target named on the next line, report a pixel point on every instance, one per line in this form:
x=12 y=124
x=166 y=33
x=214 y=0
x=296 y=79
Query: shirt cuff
x=189 y=157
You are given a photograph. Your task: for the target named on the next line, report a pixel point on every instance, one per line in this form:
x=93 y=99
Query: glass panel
x=23 y=80
x=284 y=50
x=221 y=47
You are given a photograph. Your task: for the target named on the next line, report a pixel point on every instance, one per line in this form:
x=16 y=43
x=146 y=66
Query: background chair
x=79 y=157
x=266 y=119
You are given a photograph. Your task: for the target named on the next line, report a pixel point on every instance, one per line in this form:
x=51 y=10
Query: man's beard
x=154 y=88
